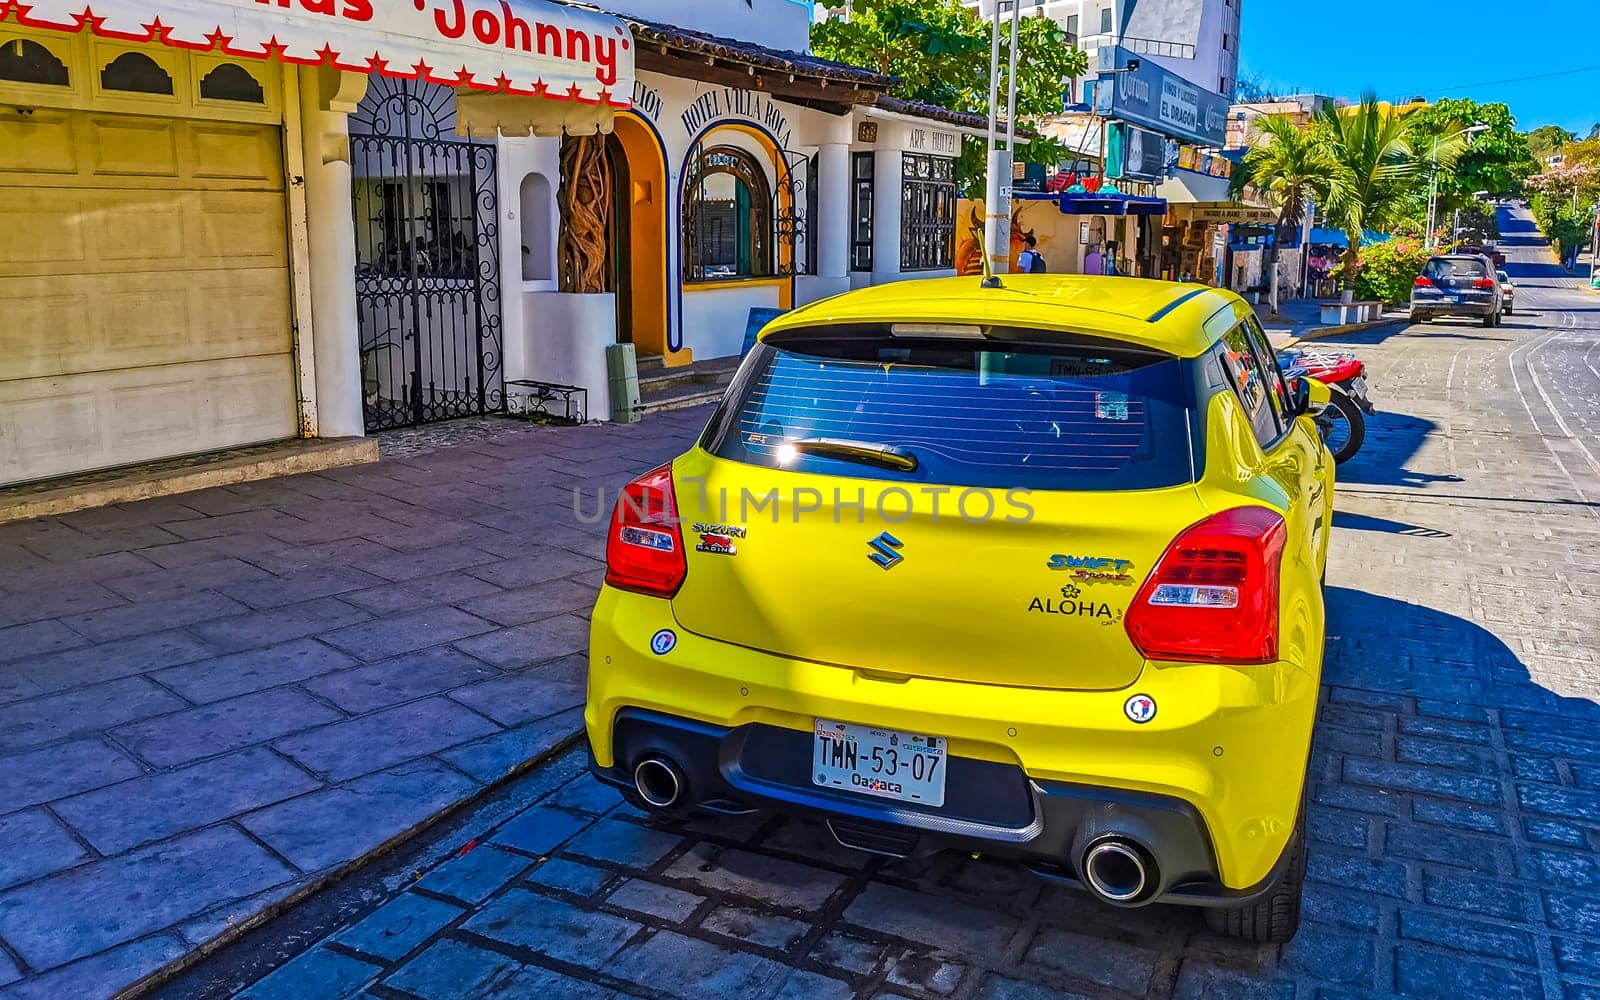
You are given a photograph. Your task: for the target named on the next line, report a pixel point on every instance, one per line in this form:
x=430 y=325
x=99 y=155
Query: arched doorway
x=638 y=238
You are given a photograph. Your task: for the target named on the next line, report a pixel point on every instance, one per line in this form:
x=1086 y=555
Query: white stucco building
x=231 y=222
x=1196 y=39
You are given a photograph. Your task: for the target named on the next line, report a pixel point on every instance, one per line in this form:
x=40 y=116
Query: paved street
x=211 y=701
x=1455 y=813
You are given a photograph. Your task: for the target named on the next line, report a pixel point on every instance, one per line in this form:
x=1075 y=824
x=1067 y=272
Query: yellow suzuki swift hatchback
x=1030 y=571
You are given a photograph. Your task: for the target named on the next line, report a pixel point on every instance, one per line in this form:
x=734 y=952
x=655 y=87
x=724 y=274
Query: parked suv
x=1110 y=674
x=1457 y=285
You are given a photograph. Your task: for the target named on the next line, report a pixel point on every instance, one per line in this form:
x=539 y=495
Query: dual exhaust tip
x=659 y=782
x=1114 y=868
x=1118 y=871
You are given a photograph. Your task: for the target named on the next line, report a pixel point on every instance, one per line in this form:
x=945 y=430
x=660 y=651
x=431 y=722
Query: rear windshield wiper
x=866 y=452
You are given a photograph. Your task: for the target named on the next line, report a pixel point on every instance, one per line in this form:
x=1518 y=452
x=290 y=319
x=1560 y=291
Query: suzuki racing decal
x=1093 y=569
x=1070 y=606
x=718 y=538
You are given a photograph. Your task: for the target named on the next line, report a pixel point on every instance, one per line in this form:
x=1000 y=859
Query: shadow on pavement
x=1364 y=522
x=1393 y=440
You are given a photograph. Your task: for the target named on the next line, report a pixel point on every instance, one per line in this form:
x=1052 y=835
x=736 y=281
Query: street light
x=1433 y=180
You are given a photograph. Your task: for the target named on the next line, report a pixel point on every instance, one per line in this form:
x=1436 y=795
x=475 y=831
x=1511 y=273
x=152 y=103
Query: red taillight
x=1213 y=597
x=1483 y=283
x=1423 y=281
x=644 y=549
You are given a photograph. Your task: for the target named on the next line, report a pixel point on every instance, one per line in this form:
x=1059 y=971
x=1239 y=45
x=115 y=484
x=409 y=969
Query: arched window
x=136 y=73
x=534 y=195
x=727 y=217
x=231 y=83
x=25 y=61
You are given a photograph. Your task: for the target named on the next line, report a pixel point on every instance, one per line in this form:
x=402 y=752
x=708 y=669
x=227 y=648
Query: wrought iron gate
x=427 y=259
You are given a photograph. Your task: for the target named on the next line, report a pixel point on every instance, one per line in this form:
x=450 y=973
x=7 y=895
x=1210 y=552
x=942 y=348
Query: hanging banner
x=531 y=47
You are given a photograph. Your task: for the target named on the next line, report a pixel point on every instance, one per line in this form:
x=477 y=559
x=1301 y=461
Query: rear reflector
x=1213 y=597
x=1422 y=282
x=1483 y=283
x=644 y=548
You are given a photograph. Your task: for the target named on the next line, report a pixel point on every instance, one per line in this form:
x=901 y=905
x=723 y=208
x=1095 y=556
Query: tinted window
x=1039 y=416
x=1455 y=267
x=1249 y=382
x=1277 y=390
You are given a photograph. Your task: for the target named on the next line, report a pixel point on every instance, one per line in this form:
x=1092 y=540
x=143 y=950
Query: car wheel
x=1420 y=317
x=1275 y=917
x=1509 y=310
x=1488 y=319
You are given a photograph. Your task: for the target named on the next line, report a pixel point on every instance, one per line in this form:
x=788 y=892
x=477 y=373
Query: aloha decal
x=1072 y=607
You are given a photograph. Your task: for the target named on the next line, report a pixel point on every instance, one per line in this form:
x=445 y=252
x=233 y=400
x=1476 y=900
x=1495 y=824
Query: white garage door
x=144 y=290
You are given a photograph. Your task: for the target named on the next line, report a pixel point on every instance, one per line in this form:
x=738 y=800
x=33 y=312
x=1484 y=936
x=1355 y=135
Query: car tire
x=1509 y=310
x=1488 y=319
x=1350 y=410
x=1274 y=918
x=1420 y=318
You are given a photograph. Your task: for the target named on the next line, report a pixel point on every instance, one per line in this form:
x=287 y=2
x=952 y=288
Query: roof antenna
x=990 y=279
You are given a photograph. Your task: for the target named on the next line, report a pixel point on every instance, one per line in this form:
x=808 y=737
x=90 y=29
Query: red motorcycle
x=1342 y=422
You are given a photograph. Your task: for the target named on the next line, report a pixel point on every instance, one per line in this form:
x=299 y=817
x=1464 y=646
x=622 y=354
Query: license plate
x=886 y=763
x=1358 y=387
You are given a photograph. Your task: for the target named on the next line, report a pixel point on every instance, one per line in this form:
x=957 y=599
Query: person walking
x=1030 y=261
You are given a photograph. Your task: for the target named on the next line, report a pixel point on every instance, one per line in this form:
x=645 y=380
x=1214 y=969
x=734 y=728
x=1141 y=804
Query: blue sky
x=1438 y=48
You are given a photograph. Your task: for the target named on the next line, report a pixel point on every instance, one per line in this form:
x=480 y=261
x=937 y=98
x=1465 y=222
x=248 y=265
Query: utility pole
x=997 y=199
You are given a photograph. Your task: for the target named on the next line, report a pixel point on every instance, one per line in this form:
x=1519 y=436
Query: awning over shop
x=532 y=48
x=1337 y=238
x=1098 y=204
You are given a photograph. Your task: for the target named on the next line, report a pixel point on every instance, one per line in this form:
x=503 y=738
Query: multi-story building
x=1196 y=39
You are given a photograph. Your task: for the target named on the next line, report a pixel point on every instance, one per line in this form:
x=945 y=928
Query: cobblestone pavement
x=210 y=701
x=1455 y=804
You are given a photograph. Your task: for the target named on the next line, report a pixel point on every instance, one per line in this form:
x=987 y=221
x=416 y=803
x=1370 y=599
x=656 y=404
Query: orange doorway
x=640 y=238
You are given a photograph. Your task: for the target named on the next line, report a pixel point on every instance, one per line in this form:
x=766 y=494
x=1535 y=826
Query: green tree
x=1548 y=139
x=1376 y=168
x=940 y=51
x=1286 y=164
x=1495 y=161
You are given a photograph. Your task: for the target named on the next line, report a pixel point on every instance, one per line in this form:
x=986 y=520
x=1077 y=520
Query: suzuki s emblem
x=883 y=551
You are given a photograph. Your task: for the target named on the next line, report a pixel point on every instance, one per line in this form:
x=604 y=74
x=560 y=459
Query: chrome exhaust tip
x=1117 y=870
x=658 y=781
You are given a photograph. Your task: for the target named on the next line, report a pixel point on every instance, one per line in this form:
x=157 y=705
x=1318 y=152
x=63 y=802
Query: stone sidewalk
x=211 y=702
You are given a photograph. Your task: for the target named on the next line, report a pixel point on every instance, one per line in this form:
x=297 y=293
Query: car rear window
x=997 y=413
x=1455 y=267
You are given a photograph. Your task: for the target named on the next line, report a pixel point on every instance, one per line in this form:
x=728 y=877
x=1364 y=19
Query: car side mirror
x=1299 y=397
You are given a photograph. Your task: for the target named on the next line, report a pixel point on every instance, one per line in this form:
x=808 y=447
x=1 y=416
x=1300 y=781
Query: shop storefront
x=181 y=189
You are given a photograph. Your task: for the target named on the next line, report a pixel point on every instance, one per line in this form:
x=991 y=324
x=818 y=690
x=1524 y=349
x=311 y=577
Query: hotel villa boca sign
x=726 y=104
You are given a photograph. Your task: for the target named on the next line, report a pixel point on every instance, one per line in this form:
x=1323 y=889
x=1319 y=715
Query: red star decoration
x=539 y=89
x=272 y=48
x=422 y=69
x=218 y=40
x=327 y=54
x=158 y=31
x=503 y=82
x=88 y=20
x=464 y=77
x=573 y=93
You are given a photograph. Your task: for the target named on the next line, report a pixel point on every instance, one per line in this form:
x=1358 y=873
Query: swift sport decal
x=1093 y=569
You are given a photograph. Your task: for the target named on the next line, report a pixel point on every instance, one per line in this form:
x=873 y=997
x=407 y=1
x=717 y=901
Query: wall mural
x=1026 y=220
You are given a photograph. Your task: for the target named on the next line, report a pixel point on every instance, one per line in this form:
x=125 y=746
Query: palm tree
x=1286 y=164
x=1376 y=168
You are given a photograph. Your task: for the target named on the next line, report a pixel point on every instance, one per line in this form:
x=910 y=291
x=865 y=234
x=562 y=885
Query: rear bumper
x=990 y=808
x=1441 y=306
x=1227 y=744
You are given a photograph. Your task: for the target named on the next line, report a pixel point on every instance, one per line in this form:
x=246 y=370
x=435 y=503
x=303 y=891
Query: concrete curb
x=317 y=883
x=1320 y=332
x=184 y=476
